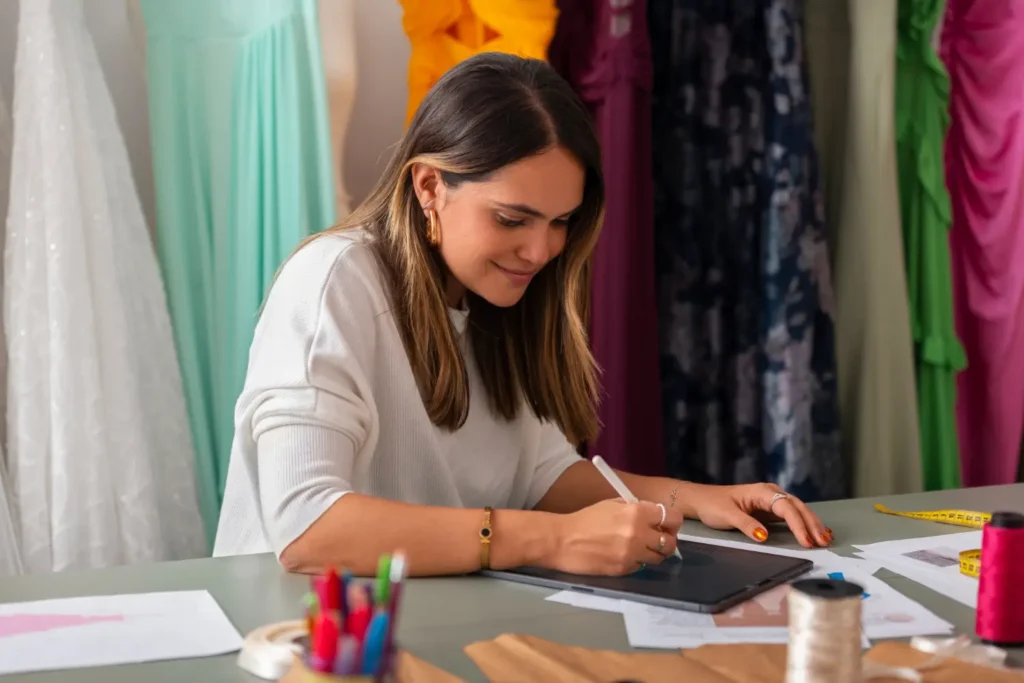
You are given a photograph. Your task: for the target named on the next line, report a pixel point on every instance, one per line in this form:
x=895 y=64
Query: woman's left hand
x=747 y=506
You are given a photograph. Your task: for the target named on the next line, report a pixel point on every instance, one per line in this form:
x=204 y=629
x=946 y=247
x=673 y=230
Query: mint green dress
x=242 y=168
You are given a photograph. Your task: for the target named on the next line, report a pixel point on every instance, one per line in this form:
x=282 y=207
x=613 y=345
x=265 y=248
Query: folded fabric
x=526 y=659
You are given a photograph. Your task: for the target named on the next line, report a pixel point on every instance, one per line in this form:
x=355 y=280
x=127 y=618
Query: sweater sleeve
x=307 y=399
x=555 y=454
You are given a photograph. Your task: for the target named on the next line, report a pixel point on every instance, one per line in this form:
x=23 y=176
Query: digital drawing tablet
x=709 y=578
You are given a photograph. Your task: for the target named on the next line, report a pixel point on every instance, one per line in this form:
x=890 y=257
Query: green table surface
x=440 y=616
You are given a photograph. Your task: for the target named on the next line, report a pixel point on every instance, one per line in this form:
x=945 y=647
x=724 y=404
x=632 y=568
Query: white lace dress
x=99 y=448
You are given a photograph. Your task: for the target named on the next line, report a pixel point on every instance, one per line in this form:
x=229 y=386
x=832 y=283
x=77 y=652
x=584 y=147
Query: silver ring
x=775 y=499
x=664 y=514
x=661 y=543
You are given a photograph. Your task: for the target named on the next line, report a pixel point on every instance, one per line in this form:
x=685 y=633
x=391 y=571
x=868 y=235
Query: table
x=440 y=616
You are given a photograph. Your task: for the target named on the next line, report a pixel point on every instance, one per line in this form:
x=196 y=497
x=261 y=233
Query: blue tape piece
x=838 y=576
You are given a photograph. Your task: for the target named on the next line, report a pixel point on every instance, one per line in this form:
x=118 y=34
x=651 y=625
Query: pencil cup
x=302 y=673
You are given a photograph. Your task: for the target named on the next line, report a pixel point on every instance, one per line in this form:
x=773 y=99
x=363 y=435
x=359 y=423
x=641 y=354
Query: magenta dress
x=983 y=48
x=601 y=47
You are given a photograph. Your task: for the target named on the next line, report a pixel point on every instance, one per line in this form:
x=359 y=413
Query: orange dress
x=442 y=33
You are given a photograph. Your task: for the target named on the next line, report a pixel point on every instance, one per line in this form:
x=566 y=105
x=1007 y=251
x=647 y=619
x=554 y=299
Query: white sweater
x=330 y=406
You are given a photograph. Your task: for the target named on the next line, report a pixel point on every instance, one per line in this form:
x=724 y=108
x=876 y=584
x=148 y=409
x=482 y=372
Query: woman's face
x=496 y=235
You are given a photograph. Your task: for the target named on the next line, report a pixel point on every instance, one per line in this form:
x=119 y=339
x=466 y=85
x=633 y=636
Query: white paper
x=764 y=619
x=587 y=601
x=932 y=561
x=72 y=633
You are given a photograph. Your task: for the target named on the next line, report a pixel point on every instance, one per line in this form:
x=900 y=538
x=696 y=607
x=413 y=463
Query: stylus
x=620 y=488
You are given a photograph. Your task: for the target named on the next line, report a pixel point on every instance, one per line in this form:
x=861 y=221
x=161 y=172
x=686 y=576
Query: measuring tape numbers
x=970 y=560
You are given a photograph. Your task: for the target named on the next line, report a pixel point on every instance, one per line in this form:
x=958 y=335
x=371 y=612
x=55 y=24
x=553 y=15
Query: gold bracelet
x=672 y=496
x=485 y=540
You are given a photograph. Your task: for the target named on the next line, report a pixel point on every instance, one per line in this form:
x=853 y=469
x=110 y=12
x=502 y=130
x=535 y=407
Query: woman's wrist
x=524 y=538
x=685 y=497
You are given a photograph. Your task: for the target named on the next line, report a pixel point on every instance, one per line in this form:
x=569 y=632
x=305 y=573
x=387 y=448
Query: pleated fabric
x=242 y=166
x=983 y=48
x=851 y=48
x=442 y=33
x=922 y=96
x=604 y=52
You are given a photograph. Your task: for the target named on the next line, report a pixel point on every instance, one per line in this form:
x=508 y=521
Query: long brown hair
x=487 y=112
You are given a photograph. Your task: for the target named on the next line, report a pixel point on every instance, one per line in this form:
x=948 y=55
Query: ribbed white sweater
x=330 y=406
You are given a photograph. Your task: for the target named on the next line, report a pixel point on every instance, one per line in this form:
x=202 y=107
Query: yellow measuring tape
x=970 y=560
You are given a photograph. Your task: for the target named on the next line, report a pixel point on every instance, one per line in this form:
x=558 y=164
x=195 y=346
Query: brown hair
x=487 y=112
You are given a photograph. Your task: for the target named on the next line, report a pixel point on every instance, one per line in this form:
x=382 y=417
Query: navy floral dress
x=746 y=305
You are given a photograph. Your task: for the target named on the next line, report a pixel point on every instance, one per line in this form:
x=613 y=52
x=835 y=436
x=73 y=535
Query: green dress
x=242 y=168
x=922 y=98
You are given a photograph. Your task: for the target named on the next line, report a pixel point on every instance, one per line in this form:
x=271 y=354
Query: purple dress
x=601 y=47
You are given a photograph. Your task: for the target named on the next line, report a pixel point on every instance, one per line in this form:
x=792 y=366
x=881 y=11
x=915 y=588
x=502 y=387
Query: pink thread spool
x=1000 y=614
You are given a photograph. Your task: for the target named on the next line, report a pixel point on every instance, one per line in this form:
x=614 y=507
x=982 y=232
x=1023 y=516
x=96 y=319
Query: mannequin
x=338 y=44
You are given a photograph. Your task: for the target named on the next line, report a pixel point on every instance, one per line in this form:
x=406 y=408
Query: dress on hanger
x=99 y=449
x=338 y=42
x=10 y=550
x=851 y=46
x=603 y=51
x=748 y=365
x=922 y=92
x=443 y=33
x=242 y=169
x=983 y=48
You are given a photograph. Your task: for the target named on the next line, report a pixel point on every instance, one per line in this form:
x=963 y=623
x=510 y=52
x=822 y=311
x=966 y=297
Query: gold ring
x=661 y=543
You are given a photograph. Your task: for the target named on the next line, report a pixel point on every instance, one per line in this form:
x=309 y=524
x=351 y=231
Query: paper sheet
x=887 y=613
x=932 y=561
x=72 y=633
x=765 y=619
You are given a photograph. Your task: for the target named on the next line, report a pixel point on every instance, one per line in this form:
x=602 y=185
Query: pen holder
x=301 y=673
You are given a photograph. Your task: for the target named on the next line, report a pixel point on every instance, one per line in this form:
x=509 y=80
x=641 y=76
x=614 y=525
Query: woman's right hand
x=615 y=538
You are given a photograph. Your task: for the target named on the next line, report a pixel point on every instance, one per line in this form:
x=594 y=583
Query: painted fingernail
x=825 y=538
x=761 y=535
x=828 y=531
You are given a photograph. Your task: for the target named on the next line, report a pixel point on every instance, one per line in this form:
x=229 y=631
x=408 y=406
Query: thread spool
x=824 y=632
x=1000 y=613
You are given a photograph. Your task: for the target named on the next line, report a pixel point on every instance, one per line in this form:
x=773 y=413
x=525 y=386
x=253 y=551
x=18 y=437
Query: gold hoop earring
x=433 y=229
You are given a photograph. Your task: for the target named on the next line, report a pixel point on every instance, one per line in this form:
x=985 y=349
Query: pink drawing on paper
x=20 y=624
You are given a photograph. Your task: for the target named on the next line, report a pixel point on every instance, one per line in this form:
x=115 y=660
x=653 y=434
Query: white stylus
x=620 y=488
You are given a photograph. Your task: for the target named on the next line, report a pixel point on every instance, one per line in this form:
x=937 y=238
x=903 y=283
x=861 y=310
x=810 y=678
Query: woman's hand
x=746 y=507
x=614 y=537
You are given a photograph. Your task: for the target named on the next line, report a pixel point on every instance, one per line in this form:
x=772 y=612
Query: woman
x=427 y=361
